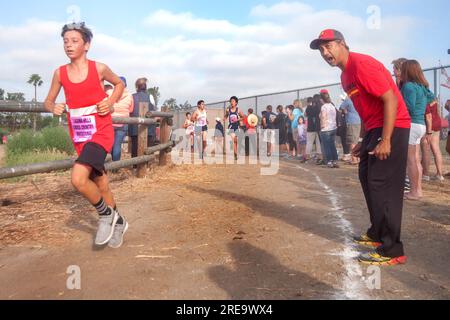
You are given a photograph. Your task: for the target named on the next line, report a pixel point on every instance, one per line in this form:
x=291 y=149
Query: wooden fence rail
x=145 y=154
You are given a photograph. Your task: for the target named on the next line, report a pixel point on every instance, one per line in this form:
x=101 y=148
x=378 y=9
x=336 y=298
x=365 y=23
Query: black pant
x=383 y=184
x=134 y=145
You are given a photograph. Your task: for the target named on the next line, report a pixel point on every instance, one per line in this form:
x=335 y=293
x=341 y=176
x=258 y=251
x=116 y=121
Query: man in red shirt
x=383 y=146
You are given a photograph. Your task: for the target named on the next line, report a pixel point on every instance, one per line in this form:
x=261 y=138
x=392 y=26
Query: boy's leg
x=86 y=173
x=121 y=226
x=85 y=186
x=91 y=191
x=102 y=183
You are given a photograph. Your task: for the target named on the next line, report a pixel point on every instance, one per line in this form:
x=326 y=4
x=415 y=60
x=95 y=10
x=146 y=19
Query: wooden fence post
x=164 y=138
x=142 y=139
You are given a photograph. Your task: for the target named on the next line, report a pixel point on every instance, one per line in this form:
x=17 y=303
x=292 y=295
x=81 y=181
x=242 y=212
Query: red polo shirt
x=365 y=80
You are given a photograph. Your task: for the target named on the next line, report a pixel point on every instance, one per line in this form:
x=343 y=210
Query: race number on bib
x=83 y=128
x=234 y=118
x=201 y=122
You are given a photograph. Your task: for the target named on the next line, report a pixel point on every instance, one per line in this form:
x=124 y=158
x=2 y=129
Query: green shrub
x=57 y=138
x=34 y=157
x=24 y=142
x=43 y=146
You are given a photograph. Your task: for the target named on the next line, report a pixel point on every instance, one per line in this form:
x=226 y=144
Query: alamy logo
x=373 y=278
x=74 y=14
x=374 y=20
x=74 y=280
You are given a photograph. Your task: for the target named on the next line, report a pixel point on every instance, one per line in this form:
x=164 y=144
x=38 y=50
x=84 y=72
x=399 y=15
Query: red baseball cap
x=326 y=35
x=325 y=91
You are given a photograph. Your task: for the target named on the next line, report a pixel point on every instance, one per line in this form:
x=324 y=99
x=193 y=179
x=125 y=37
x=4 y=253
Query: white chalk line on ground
x=353 y=285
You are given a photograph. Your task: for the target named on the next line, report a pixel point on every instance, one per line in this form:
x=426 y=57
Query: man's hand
x=105 y=107
x=383 y=150
x=356 y=152
x=59 y=109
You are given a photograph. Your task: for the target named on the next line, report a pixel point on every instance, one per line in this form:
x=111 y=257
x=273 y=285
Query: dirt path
x=196 y=234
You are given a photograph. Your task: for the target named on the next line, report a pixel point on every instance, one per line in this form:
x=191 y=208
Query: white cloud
x=282 y=9
x=190 y=57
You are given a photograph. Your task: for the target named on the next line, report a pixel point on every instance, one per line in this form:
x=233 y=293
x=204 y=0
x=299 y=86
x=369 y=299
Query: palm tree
x=36 y=81
x=154 y=92
x=170 y=104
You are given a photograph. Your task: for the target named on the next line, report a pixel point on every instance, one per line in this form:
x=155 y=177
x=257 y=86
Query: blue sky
x=410 y=28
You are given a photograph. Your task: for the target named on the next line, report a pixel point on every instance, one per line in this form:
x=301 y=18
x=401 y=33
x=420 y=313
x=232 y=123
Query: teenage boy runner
x=233 y=115
x=200 y=117
x=90 y=126
x=383 y=146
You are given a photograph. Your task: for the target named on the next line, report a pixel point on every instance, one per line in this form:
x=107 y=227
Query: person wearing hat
x=250 y=121
x=382 y=147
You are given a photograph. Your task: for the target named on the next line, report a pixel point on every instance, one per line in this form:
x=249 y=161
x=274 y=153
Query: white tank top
x=202 y=119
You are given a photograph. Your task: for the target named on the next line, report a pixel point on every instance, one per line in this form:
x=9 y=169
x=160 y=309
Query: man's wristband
x=429 y=133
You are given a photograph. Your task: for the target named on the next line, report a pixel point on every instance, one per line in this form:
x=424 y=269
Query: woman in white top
x=200 y=118
x=328 y=131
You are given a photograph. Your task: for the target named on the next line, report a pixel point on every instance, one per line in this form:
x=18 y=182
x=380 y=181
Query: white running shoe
x=119 y=231
x=106 y=227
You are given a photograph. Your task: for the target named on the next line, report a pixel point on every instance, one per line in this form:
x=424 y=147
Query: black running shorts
x=94 y=156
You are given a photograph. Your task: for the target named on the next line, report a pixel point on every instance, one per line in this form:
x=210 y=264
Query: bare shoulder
x=57 y=75
x=101 y=66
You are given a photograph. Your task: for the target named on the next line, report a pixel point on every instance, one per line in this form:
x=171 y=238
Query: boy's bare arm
x=106 y=73
x=50 y=105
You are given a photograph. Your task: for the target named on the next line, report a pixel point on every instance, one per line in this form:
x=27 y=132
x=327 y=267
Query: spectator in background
x=269 y=121
x=431 y=142
x=250 y=121
x=299 y=111
x=219 y=135
x=302 y=132
x=416 y=95
x=280 y=123
x=122 y=109
x=328 y=131
x=263 y=120
x=299 y=106
x=341 y=132
x=141 y=96
x=353 y=125
x=398 y=70
x=398 y=80
x=291 y=141
x=313 y=136
x=447 y=107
